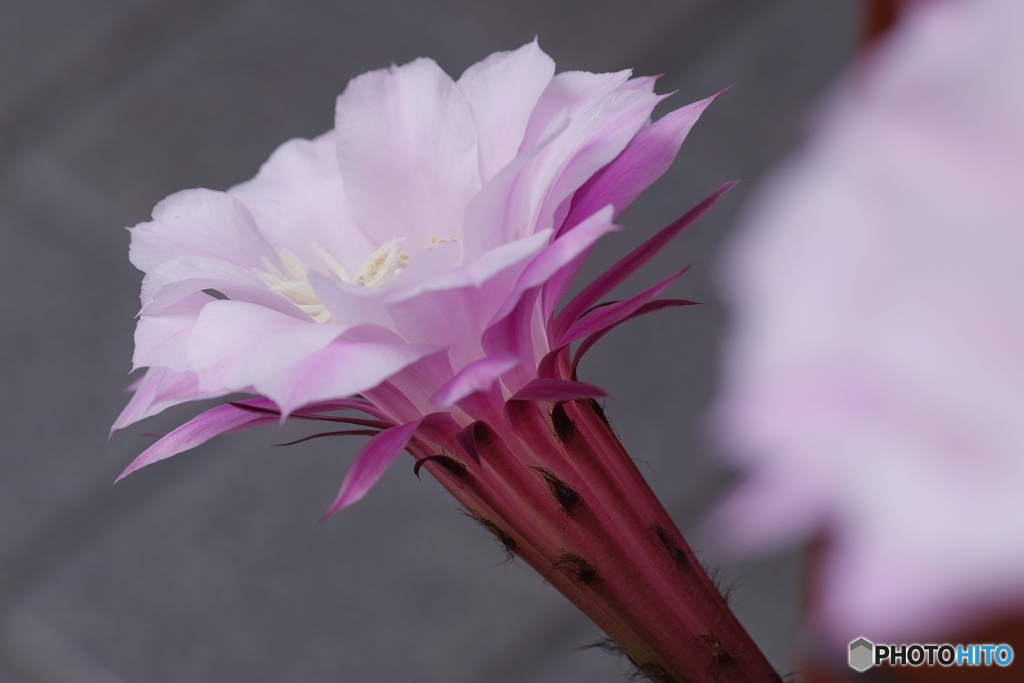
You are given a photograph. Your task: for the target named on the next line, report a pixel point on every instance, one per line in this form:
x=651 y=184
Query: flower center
x=377 y=270
x=380 y=266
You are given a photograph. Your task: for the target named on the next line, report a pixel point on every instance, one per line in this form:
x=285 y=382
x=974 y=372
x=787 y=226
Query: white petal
x=407 y=149
x=298 y=201
x=236 y=345
x=338 y=370
x=502 y=92
x=199 y=223
x=161 y=340
x=569 y=92
x=184 y=276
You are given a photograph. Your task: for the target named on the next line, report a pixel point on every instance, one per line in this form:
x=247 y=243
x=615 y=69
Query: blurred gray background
x=212 y=567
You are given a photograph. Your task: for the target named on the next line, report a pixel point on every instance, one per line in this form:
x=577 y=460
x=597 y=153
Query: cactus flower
x=399 y=276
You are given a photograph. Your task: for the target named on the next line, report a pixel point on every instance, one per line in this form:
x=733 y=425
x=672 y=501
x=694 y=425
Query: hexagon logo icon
x=862 y=654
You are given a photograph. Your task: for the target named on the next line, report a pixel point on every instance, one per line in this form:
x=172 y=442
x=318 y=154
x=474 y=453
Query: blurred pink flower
x=874 y=378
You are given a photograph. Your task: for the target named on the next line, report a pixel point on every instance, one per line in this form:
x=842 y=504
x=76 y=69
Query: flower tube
x=398 y=277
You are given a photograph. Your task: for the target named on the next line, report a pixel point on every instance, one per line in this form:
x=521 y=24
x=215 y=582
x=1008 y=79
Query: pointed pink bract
x=222 y=419
x=370 y=464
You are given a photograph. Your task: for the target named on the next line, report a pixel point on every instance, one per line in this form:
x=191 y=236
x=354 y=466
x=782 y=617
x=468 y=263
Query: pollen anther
x=292 y=283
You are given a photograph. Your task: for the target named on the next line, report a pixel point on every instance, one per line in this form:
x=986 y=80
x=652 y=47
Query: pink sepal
x=631 y=263
x=649 y=307
x=341 y=404
x=370 y=464
x=467 y=439
x=513 y=335
x=548 y=365
x=555 y=390
x=614 y=313
x=222 y=419
x=479 y=375
x=645 y=159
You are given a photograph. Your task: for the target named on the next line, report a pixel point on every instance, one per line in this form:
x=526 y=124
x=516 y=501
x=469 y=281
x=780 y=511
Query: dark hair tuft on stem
x=568 y=498
x=508 y=544
x=578 y=569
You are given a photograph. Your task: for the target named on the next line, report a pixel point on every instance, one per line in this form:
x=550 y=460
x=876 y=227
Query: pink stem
x=556 y=486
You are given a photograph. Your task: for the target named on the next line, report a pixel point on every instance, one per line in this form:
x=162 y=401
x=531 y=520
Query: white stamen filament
x=377 y=270
x=294 y=285
x=384 y=263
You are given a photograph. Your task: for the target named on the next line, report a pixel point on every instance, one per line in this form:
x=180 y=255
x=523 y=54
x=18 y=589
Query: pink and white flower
x=874 y=383
x=421 y=245
x=407 y=265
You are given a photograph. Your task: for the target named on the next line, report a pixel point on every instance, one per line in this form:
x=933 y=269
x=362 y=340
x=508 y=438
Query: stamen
x=332 y=263
x=384 y=263
x=380 y=266
x=296 y=268
x=433 y=241
x=295 y=286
